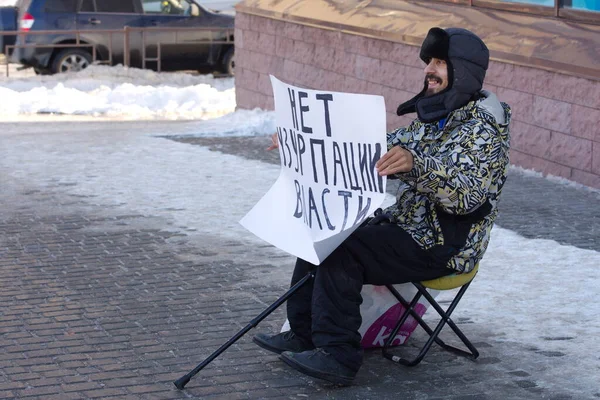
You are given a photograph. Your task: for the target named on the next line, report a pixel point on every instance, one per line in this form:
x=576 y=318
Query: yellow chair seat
x=451 y=281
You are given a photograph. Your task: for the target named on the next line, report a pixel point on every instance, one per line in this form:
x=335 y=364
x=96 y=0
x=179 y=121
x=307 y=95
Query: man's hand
x=274 y=142
x=395 y=161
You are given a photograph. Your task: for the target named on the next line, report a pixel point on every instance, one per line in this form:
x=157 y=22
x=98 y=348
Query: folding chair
x=448 y=282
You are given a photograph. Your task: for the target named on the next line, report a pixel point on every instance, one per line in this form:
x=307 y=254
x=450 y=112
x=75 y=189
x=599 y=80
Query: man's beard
x=431 y=92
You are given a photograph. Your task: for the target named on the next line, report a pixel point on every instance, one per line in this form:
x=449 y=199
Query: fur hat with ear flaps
x=467 y=58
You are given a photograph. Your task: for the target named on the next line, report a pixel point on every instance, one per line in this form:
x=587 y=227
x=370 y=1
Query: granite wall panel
x=596 y=158
x=552 y=114
x=585 y=122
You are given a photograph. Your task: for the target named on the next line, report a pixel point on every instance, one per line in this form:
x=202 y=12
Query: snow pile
x=118 y=92
x=553 y=178
x=239 y=123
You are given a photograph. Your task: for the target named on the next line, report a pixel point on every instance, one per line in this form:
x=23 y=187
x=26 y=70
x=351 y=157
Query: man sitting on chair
x=451 y=162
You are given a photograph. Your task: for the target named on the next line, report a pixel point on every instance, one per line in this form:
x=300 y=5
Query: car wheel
x=228 y=65
x=71 y=60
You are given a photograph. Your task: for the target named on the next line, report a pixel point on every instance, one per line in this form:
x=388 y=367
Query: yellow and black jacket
x=459 y=167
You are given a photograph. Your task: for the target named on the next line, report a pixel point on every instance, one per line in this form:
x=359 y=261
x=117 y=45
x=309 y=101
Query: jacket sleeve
x=459 y=177
x=398 y=136
x=395 y=138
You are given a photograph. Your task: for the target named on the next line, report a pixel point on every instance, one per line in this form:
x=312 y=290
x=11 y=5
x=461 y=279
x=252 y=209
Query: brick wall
x=556 y=117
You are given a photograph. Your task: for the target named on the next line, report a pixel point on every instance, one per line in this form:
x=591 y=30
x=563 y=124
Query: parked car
x=181 y=50
x=8 y=22
x=214 y=5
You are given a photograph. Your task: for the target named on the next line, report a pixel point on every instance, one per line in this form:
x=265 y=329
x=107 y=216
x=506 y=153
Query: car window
x=87 y=6
x=167 y=7
x=115 y=6
x=61 y=5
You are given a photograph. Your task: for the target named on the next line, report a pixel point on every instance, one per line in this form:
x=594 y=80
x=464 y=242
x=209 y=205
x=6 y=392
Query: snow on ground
x=118 y=93
x=239 y=123
x=553 y=178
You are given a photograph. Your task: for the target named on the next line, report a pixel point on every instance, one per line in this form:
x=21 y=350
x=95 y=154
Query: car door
x=60 y=14
x=180 y=49
x=103 y=15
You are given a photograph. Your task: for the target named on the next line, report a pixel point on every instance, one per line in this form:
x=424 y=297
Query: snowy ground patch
x=552 y=178
x=119 y=93
x=239 y=123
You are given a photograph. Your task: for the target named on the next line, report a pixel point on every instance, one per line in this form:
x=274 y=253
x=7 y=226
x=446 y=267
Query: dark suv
x=179 y=49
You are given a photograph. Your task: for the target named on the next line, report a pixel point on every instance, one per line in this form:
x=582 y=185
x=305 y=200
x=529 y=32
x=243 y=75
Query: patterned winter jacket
x=456 y=169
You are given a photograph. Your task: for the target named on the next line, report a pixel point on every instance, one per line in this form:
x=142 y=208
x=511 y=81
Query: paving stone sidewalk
x=97 y=303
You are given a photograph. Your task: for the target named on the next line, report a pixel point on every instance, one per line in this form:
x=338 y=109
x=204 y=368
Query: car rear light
x=27 y=22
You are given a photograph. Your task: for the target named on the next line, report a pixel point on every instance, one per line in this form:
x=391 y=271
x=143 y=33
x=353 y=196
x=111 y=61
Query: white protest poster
x=329 y=143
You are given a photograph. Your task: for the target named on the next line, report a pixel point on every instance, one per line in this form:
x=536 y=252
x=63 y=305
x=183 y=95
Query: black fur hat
x=467 y=58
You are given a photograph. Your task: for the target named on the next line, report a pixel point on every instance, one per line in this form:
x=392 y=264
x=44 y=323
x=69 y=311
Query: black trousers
x=326 y=311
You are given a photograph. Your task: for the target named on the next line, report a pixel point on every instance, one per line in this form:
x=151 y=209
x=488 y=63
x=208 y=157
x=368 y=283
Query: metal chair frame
x=422 y=291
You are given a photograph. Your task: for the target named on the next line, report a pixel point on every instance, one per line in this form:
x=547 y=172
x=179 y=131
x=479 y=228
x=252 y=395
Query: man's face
x=436 y=76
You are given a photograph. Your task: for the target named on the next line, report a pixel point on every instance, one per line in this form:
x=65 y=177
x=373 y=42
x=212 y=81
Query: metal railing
x=227 y=33
x=77 y=44
x=215 y=36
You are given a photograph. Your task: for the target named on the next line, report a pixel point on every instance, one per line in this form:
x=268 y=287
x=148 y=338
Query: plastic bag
x=381 y=311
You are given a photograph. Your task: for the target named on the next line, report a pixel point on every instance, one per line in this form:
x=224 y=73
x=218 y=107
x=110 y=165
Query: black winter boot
x=285 y=341
x=318 y=363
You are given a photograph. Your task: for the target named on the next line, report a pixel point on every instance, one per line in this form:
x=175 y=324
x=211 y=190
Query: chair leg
x=433 y=334
x=410 y=309
x=445 y=315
